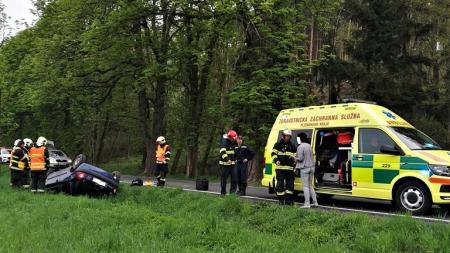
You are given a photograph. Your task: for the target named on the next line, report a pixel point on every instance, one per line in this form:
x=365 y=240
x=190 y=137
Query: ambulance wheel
x=413 y=197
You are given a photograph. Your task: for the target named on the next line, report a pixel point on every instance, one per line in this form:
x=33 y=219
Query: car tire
x=413 y=197
x=116 y=175
x=79 y=159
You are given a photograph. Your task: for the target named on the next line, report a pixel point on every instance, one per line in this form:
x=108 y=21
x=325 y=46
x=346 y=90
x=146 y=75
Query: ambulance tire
x=413 y=197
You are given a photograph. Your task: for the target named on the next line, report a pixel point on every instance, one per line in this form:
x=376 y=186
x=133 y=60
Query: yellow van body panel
x=373 y=175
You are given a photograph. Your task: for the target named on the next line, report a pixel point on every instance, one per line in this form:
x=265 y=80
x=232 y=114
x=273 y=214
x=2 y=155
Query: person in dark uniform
x=17 y=163
x=283 y=155
x=227 y=162
x=243 y=155
x=26 y=173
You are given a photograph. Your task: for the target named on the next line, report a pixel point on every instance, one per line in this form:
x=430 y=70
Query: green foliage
x=142 y=219
x=107 y=77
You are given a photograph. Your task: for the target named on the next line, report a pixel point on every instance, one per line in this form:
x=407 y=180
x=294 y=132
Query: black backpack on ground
x=201 y=184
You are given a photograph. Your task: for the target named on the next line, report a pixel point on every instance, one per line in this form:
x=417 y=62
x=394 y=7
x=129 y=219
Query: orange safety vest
x=161 y=153
x=37 y=158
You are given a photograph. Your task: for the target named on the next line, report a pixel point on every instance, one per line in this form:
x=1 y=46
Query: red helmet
x=232 y=134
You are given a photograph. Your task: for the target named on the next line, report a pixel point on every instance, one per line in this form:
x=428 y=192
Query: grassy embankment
x=169 y=220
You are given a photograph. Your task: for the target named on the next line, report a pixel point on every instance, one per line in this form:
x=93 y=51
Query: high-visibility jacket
x=19 y=159
x=38 y=158
x=162 y=153
x=227 y=153
x=284 y=153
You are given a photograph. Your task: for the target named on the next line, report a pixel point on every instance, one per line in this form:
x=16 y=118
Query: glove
x=245 y=161
x=278 y=163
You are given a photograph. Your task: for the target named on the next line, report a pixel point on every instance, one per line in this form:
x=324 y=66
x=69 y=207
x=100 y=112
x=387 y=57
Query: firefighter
x=283 y=154
x=243 y=155
x=18 y=162
x=26 y=172
x=162 y=160
x=227 y=162
x=39 y=161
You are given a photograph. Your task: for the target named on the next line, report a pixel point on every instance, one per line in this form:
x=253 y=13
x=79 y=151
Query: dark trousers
x=225 y=172
x=285 y=186
x=38 y=178
x=26 y=178
x=242 y=177
x=16 y=178
x=161 y=171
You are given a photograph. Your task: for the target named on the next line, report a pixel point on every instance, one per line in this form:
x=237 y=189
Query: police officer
x=18 y=162
x=227 y=162
x=39 y=162
x=26 y=172
x=283 y=154
x=243 y=155
x=162 y=153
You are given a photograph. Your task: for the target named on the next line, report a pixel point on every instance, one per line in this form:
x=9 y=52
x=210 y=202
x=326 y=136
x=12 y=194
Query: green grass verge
x=169 y=220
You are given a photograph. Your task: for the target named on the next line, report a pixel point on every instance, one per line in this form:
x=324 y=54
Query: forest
x=107 y=77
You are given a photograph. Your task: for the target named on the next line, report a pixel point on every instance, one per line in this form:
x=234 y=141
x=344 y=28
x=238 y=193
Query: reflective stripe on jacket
x=18 y=159
x=284 y=153
x=227 y=153
x=37 y=158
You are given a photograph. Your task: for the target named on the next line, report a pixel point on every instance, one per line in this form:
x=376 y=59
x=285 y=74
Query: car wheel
x=116 y=175
x=79 y=159
x=413 y=197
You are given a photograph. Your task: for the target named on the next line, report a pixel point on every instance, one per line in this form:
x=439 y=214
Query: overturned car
x=83 y=178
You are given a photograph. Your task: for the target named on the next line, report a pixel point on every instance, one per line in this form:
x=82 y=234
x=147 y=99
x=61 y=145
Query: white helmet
x=16 y=142
x=287 y=132
x=161 y=140
x=28 y=142
x=41 y=141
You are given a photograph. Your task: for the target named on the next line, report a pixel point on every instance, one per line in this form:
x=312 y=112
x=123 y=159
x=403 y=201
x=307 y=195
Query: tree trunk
x=143 y=106
x=204 y=162
x=101 y=141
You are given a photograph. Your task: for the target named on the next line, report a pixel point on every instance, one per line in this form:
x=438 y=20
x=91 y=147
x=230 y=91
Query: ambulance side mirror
x=391 y=150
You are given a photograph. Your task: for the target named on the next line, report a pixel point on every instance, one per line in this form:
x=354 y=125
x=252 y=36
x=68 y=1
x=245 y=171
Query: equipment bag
x=202 y=184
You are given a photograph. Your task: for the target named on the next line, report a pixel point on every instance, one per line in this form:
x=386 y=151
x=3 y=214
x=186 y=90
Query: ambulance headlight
x=440 y=170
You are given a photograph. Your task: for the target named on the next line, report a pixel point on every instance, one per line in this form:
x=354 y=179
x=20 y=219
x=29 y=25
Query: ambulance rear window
x=414 y=139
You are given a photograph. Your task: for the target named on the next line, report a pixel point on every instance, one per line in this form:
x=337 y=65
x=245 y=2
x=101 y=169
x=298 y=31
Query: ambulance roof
x=339 y=115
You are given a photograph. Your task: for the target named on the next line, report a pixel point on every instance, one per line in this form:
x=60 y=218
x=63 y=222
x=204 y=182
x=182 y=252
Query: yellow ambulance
x=365 y=150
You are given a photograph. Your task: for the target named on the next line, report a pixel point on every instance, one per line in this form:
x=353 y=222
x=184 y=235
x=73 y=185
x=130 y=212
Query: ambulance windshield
x=414 y=139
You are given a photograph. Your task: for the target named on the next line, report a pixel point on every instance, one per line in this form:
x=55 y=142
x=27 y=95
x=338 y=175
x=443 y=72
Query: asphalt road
x=347 y=204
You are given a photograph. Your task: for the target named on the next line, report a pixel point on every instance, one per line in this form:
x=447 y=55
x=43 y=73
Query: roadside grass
x=142 y=219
